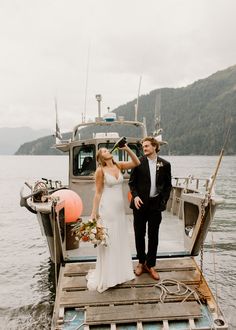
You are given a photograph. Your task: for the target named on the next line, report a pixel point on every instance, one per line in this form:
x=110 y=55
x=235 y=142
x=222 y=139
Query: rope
x=214 y=264
x=203 y=213
x=181 y=290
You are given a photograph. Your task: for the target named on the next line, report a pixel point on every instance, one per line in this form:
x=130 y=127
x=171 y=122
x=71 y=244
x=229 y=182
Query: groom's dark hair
x=153 y=141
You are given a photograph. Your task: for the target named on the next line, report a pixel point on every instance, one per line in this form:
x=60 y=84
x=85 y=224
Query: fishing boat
x=182 y=298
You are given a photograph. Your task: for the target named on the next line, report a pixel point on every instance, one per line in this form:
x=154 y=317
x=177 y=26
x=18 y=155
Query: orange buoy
x=129 y=196
x=73 y=204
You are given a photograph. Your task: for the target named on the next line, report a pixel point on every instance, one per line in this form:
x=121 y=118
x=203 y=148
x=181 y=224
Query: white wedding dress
x=114 y=263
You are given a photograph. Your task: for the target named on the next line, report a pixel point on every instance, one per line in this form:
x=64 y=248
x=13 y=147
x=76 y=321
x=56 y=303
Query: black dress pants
x=151 y=215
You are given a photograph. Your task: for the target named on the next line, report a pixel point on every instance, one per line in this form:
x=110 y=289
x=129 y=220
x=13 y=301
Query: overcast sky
x=54 y=48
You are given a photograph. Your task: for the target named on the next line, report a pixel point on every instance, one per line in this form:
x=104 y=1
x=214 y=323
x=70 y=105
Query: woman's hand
x=94 y=216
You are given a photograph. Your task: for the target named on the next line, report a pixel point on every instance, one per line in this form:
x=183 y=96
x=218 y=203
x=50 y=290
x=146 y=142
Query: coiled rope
x=181 y=290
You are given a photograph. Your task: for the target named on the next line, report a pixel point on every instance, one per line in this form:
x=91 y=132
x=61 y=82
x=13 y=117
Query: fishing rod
x=219 y=161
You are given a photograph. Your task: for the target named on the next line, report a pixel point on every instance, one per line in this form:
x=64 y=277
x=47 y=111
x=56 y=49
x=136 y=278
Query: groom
x=150 y=186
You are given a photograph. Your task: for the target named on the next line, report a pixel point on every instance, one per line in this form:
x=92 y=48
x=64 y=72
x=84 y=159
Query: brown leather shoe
x=154 y=274
x=139 y=269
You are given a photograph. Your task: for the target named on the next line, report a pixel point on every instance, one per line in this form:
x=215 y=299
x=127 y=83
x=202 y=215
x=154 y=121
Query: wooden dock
x=137 y=301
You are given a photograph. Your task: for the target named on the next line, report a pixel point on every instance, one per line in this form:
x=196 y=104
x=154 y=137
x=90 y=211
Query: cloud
x=45 y=46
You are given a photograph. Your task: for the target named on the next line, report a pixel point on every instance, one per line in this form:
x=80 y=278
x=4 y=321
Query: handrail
x=107 y=123
x=191 y=182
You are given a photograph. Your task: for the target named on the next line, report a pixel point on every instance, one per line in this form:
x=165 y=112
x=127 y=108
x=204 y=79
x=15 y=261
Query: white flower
x=91 y=230
x=159 y=164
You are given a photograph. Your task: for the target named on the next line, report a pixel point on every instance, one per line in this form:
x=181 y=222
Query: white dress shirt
x=152 y=167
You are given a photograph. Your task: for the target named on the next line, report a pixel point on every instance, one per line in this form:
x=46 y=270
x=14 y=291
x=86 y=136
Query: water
x=26 y=274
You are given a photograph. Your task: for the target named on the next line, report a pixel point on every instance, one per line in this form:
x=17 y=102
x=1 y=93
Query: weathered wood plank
x=162 y=265
x=76 y=268
x=57 y=312
x=142 y=312
x=118 y=296
x=71 y=283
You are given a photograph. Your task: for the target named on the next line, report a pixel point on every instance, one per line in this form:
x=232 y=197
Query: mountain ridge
x=12 y=137
x=195 y=118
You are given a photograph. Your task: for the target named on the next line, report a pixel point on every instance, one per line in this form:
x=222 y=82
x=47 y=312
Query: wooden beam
x=142 y=312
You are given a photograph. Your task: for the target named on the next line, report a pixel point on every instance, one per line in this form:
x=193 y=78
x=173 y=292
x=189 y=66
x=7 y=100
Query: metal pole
x=99 y=98
x=136 y=105
x=219 y=161
x=99 y=108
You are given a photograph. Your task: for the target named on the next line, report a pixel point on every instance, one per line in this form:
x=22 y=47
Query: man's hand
x=138 y=202
x=162 y=205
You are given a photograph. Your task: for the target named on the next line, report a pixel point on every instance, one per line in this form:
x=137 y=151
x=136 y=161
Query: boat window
x=84 y=160
x=120 y=155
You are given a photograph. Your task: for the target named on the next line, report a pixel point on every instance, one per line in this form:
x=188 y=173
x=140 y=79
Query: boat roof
x=106 y=123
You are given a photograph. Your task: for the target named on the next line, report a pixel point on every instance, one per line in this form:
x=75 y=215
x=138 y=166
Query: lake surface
x=27 y=276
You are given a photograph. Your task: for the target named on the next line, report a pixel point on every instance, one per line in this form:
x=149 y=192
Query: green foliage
x=194 y=118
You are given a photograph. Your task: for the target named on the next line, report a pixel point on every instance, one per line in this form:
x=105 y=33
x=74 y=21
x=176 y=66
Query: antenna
x=157 y=127
x=99 y=99
x=158 y=106
x=86 y=86
x=136 y=105
x=58 y=132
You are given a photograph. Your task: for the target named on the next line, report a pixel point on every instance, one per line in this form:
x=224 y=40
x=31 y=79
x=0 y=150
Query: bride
x=114 y=262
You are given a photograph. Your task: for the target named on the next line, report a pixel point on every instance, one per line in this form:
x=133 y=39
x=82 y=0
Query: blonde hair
x=153 y=142
x=101 y=160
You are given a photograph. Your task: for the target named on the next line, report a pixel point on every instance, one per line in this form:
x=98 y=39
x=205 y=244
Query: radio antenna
x=58 y=132
x=86 y=86
x=136 y=105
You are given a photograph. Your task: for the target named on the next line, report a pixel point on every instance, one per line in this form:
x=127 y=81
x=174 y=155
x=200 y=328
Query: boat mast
x=86 y=87
x=157 y=126
x=136 y=105
x=58 y=132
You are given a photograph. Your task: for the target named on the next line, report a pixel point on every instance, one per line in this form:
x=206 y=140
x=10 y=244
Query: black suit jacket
x=140 y=182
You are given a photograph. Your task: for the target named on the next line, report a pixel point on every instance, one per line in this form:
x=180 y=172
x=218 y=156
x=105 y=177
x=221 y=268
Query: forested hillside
x=194 y=118
x=12 y=137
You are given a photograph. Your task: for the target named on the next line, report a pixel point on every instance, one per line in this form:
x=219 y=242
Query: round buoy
x=73 y=204
x=129 y=196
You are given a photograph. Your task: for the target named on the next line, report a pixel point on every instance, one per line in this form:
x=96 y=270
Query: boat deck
x=137 y=304
x=171 y=239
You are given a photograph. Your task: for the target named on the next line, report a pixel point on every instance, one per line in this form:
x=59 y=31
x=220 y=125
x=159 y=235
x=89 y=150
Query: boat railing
x=102 y=122
x=192 y=183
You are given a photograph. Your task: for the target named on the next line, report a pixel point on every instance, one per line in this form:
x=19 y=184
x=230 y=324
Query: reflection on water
x=27 y=287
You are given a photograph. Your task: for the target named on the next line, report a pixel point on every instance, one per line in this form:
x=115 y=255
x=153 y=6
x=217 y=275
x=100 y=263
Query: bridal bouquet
x=90 y=231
